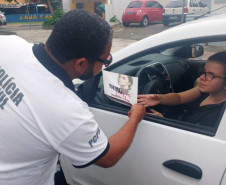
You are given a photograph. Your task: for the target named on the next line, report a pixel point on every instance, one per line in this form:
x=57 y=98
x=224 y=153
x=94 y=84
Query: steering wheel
x=152 y=81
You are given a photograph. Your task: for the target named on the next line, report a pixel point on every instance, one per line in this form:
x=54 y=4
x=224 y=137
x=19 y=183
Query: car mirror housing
x=196 y=51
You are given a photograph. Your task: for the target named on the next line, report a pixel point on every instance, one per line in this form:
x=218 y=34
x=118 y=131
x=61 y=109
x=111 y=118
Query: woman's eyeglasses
x=106 y=62
x=210 y=76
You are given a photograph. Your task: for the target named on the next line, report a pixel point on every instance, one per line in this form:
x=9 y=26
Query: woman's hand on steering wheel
x=149 y=99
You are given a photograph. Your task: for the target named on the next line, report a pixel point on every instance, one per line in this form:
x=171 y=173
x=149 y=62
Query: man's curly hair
x=79 y=33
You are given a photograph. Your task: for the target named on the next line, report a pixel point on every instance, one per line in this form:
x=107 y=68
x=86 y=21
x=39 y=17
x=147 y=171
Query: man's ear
x=80 y=65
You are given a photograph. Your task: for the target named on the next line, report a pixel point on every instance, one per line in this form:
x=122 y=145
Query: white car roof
x=209 y=26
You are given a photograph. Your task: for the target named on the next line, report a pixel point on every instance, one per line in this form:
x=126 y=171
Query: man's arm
x=121 y=140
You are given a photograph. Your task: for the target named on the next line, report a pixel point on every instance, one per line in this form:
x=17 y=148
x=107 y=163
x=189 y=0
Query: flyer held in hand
x=120 y=88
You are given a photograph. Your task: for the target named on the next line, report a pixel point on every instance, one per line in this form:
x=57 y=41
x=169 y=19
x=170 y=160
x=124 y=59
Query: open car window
x=171 y=68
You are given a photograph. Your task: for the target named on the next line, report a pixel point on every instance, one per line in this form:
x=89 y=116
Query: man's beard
x=88 y=73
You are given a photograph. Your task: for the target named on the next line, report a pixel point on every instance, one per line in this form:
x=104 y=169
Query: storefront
x=93 y=6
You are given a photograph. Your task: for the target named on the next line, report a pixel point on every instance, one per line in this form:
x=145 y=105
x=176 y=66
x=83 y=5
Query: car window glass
x=156 y=5
x=193 y=3
x=202 y=3
x=151 y=4
x=135 y=5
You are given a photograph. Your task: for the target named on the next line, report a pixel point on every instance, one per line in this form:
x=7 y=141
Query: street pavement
x=122 y=36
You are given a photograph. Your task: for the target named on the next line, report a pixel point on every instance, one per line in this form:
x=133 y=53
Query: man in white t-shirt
x=40 y=114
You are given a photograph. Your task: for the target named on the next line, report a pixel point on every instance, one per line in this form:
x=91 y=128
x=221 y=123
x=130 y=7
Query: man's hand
x=149 y=99
x=137 y=112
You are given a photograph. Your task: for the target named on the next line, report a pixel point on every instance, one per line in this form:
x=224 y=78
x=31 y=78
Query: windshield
x=175 y=4
x=135 y=5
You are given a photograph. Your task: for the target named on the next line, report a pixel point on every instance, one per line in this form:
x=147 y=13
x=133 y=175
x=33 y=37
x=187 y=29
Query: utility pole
x=28 y=14
x=182 y=14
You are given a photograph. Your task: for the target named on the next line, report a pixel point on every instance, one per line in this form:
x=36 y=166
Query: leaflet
x=120 y=88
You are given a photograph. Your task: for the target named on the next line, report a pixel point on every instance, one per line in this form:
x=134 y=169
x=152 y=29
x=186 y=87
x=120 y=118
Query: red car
x=142 y=12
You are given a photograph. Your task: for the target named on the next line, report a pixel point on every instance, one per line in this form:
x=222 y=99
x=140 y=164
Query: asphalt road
x=122 y=36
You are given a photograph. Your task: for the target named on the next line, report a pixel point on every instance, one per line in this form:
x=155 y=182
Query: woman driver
x=206 y=99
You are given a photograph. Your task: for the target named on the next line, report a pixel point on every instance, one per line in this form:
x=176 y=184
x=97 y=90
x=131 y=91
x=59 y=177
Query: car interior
x=164 y=69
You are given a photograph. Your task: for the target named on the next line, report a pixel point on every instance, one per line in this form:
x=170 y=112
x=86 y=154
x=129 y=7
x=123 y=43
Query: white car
x=2 y=19
x=165 y=151
x=192 y=8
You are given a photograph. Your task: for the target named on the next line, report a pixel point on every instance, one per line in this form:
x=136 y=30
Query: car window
x=156 y=5
x=152 y=4
x=175 y=4
x=135 y=5
x=201 y=3
x=193 y=3
x=172 y=69
x=149 y=4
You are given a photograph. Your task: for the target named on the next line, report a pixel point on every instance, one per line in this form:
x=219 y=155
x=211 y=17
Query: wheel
x=5 y=23
x=144 y=21
x=165 y=23
x=125 y=24
x=152 y=81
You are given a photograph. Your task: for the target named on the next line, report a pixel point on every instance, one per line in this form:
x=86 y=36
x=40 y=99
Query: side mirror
x=196 y=51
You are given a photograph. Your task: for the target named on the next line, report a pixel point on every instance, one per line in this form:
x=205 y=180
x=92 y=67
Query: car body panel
x=151 y=143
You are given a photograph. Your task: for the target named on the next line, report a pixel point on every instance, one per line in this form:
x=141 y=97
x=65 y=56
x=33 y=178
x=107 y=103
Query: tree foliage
x=58 y=13
x=9 y=1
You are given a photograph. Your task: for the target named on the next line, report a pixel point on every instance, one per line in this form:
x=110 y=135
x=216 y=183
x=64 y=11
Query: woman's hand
x=149 y=99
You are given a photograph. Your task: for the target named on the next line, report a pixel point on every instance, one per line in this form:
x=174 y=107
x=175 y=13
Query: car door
x=155 y=147
x=154 y=11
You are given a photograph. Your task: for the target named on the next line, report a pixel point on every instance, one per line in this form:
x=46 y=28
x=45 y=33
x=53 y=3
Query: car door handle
x=185 y=168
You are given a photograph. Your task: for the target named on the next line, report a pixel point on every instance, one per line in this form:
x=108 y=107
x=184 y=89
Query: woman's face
x=215 y=84
x=123 y=80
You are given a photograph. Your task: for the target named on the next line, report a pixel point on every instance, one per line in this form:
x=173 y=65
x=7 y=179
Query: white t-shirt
x=39 y=118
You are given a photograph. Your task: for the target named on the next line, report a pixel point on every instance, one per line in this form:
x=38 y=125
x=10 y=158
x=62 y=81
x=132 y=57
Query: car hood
x=208 y=26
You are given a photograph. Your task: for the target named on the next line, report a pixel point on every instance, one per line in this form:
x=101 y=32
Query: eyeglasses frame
x=104 y=61
x=212 y=75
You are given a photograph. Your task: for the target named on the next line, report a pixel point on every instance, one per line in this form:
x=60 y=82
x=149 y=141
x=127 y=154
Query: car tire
x=125 y=24
x=165 y=23
x=144 y=21
x=5 y=23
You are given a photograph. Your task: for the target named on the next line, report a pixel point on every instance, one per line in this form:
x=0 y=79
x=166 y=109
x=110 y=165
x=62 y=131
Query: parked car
x=2 y=19
x=164 y=151
x=142 y=12
x=192 y=9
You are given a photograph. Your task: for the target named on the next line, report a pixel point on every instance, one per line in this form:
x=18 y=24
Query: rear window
x=175 y=4
x=135 y=5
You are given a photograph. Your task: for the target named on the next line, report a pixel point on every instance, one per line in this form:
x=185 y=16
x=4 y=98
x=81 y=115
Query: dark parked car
x=142 y=12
